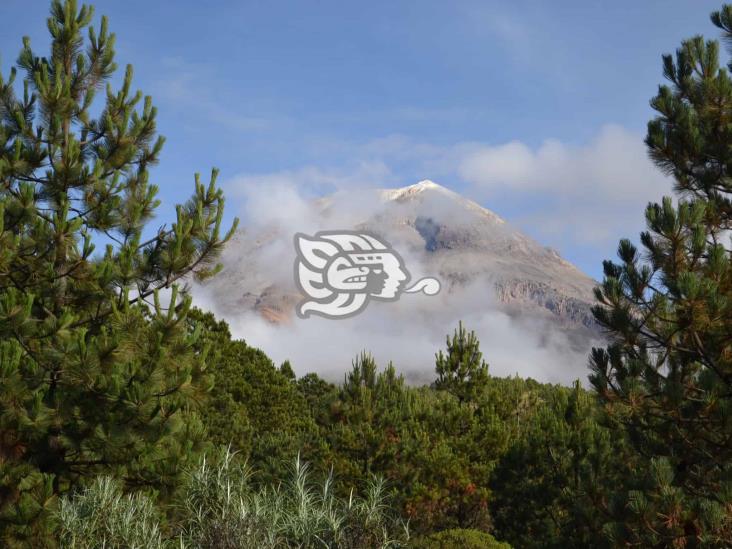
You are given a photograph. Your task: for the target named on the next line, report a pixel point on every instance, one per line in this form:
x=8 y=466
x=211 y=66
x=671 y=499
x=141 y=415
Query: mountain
x=454 y=238
x=465 y=243
x=492 y=275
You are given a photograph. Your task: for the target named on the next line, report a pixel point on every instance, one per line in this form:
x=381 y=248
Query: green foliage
x=462 y=370
x=436 y=452
x=96 y=375
x=665 y=381
x=465 y=539
x=365 y=417
x=253 y=406
x=549 y=488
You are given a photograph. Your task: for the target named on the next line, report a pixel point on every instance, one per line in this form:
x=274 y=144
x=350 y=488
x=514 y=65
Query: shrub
x=458 y=537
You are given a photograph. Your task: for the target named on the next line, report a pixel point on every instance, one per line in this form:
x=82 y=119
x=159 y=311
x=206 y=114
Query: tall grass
x=220 y=508
x=102 y=516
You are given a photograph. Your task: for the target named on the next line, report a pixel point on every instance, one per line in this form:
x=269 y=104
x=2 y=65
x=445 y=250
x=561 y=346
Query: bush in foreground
x=459 y=537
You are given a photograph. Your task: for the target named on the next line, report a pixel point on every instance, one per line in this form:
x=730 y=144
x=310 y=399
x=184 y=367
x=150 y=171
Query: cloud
x=614 y=164
x=589 y=194
x=285 y=198
x=491 y=167
x=409 y=332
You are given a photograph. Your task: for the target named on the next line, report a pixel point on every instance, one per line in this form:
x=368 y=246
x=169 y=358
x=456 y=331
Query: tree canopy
x=96 y=373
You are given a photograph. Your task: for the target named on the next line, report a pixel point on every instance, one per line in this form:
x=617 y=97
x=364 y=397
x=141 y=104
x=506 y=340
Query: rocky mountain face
x=439 y=233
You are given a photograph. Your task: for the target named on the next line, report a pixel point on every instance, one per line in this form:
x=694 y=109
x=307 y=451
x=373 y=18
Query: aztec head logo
x=340 y=271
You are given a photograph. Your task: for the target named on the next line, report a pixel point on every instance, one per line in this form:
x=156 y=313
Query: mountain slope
x=529 y=307
x=439 y=233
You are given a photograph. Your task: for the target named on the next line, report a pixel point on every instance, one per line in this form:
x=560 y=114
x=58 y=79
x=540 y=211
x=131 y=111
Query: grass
x=220 y=508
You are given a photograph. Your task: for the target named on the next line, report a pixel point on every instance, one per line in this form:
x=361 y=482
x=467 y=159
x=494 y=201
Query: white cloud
x=489 y=167
x=590 y=194
x=285 y=198
x=579 y=199
x=409 y=333
x=613 y=165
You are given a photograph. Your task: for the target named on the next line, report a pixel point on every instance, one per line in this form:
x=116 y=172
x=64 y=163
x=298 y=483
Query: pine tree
x=462 y=371
x=96 y=374
x=435 y=453
x=549 y=489
x=666 y=378
x=253 y=408
x=367 y=415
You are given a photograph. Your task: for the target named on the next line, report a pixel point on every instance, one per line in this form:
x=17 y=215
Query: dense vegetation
x=126 y=422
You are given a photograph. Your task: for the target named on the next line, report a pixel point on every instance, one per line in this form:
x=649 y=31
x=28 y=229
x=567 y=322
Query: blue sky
x=534 y=109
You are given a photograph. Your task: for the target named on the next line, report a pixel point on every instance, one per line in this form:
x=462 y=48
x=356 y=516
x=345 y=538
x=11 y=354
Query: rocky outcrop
x=567 y=308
